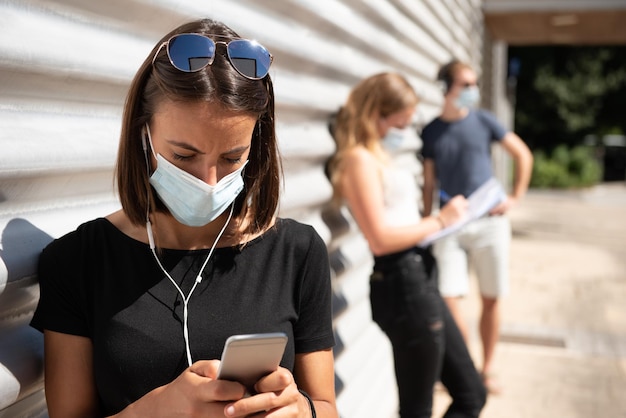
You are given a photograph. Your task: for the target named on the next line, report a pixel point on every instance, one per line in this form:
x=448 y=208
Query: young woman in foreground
x=383 y=199
x=136 y=307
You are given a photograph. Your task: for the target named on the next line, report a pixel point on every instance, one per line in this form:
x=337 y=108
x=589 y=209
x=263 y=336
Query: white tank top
x=400 y=192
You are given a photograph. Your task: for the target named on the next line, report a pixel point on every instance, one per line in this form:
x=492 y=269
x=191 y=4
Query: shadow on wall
x=22 y=243
x=21 y=347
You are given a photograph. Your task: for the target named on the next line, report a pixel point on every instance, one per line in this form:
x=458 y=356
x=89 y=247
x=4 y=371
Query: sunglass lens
x=250 y=58
x=190 y=52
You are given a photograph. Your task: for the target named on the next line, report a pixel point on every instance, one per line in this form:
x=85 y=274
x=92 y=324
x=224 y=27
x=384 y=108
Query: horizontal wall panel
x=36 y=143
x=18 y=294
x=556 y=5
x=25 y=235
x=67 y=46
x=308 y=188
x=308 y=141
x=33 y=406
x=27 y=90
x=366 y=375
x=21 y=364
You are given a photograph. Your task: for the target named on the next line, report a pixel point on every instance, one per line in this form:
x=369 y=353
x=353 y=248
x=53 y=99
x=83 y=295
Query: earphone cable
x=196 y=282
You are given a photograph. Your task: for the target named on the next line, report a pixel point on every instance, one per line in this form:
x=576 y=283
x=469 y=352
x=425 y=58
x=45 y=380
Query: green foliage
x=566 y=168
x=577 y=89
x=564 y=93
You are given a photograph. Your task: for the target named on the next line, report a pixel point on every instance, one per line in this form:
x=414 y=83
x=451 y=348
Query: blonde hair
x=356 y=124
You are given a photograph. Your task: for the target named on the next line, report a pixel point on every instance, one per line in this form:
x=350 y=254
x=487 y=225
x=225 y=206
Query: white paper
x=486 y=197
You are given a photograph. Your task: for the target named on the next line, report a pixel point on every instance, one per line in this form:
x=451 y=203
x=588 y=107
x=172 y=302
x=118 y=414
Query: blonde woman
x=383 y=199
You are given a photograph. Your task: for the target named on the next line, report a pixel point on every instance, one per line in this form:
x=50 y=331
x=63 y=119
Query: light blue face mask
x=394 y=138
x=190 y=200
x=468 y=98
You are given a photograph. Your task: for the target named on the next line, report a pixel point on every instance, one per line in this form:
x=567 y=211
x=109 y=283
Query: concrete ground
x=562 y=352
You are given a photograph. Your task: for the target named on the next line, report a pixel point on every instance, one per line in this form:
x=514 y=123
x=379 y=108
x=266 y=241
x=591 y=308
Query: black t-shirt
x=99 y=283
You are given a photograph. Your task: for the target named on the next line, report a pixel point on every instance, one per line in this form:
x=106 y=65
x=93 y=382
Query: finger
x=262 y=403
x=276 y=390
x=246 y=407
x=224 y=390
x=210 y=389
x=275 y=381
x=205 y=368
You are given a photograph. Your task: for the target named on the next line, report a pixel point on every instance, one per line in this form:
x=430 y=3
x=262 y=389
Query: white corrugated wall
x=64 y=69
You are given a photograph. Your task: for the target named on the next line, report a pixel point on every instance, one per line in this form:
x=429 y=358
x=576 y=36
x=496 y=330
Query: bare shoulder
x=358 y=155
x=358 y=159
x=360 y=171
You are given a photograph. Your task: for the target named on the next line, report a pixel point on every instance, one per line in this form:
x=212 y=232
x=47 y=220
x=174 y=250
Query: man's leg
x=489 y=333
x=454 y=304
x=453 y=277
x=490 y=256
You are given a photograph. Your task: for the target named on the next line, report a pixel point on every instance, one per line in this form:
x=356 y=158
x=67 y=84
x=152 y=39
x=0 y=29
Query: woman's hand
x=276 y=393
x=454 y=210
x=194 y=393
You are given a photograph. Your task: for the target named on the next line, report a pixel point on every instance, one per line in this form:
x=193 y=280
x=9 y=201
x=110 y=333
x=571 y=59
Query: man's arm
x=523 y=160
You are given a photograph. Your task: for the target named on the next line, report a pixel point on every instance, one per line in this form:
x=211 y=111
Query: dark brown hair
x=218 y=83
x=447 y=73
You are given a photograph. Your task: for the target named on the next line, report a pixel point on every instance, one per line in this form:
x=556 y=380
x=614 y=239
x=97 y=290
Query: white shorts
x=485 y=243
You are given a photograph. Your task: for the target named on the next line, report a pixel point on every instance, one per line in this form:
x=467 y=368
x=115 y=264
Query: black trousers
x=427 y=345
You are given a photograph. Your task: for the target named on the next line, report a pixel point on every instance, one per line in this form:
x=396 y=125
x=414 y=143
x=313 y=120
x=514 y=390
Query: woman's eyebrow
x=237 y=149
x=184 y=145
x=196 y=150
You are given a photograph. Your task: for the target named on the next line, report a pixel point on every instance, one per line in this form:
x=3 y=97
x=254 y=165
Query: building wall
x=495 y=97
x=65 y=66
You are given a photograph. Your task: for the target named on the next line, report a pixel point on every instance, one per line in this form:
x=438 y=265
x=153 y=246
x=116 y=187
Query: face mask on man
x=190 y=200
x=469 y=97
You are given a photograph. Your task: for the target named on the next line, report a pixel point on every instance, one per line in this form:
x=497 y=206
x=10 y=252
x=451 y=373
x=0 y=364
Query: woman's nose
x=209 y=175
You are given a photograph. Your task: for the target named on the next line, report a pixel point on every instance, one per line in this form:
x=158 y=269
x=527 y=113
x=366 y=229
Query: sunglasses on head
x=191 y=52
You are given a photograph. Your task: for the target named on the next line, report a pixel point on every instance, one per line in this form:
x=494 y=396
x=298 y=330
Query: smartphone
x=248 y=357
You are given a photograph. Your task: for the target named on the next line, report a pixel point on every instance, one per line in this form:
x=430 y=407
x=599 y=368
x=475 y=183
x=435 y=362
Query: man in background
x=457 y=160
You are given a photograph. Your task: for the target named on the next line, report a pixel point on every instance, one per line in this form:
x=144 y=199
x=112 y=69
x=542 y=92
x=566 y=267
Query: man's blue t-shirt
x=461 y=150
